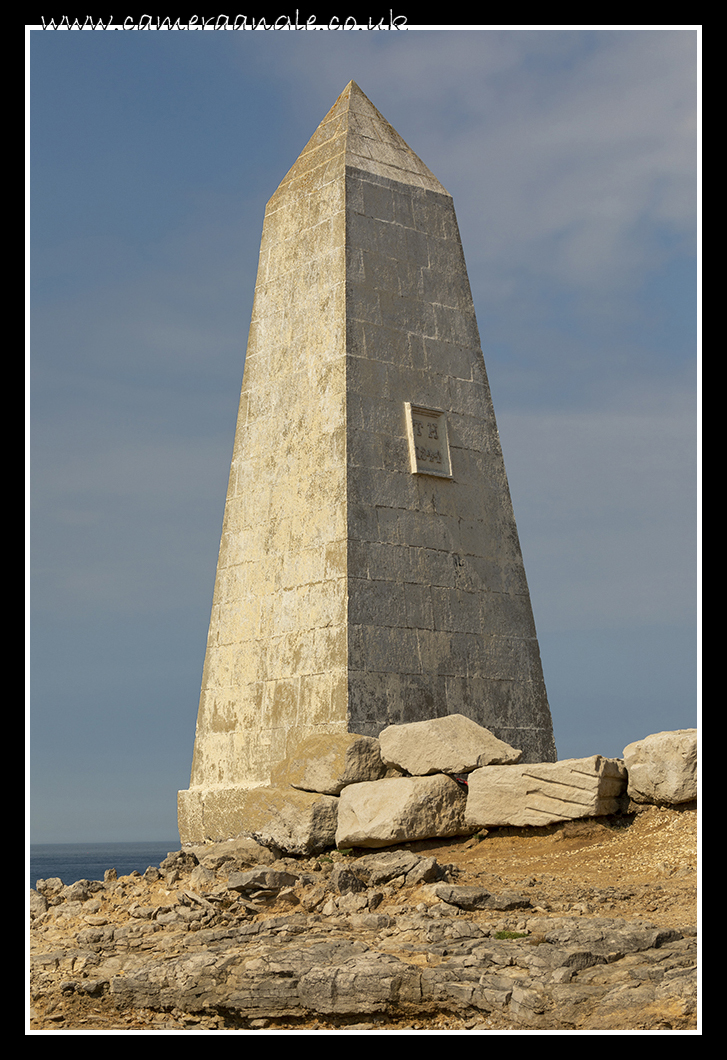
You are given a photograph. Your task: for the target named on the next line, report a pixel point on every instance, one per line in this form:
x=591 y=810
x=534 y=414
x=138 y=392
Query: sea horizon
x=89 y=861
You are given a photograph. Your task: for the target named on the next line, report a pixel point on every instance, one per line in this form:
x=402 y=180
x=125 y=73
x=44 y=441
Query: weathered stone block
x=663 y=767
x=296 y=822
x=544 y=793
x=327 y=762
x=453 y=744
x=387 y=866
x=400 y=809
x=233 y=854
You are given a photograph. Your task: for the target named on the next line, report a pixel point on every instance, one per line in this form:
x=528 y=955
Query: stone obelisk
x=369 y=571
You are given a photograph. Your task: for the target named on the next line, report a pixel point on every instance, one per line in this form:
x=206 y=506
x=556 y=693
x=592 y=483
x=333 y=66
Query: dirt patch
x=640 y=865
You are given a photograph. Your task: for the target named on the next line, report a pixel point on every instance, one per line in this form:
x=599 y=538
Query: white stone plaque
x=428 y=441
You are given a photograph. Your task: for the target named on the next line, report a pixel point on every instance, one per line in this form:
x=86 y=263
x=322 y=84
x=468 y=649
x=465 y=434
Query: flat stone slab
x=400 y=809
x=472 y=898
x=663 y=767
x=383 y=867
x=260 y=879
x=453 y=744
x=544 y=793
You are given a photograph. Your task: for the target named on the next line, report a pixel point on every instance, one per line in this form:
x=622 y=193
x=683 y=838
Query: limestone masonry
x=369 y=571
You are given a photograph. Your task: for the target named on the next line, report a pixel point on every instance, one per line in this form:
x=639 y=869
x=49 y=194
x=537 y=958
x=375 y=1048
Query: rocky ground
x=589 y=925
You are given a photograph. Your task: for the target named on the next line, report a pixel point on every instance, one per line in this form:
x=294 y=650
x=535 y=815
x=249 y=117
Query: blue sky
x=572 y=159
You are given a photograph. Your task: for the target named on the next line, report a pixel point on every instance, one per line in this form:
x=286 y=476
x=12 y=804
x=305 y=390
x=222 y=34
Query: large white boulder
x=545 y=792
x=399 y=809
x=453 y=744
x=662 y=768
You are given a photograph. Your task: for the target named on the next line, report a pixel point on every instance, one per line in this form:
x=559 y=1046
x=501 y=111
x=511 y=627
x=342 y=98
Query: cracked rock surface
x=583 y=926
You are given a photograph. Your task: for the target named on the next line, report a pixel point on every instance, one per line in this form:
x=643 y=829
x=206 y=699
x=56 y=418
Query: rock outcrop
x=236 y=934
x=207 y=941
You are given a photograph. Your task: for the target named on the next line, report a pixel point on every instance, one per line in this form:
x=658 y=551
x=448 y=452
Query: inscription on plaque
x=428 y=441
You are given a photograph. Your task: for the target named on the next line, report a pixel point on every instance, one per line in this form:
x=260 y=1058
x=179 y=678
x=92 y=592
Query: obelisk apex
x=369 y=571
x=356 y=133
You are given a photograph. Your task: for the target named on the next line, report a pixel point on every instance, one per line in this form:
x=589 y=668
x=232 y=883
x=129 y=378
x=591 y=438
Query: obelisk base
x=211 y=814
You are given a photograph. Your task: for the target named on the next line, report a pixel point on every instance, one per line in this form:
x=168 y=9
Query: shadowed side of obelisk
x=439 y=612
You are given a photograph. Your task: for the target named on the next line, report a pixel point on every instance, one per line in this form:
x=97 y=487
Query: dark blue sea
x=89 y=861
